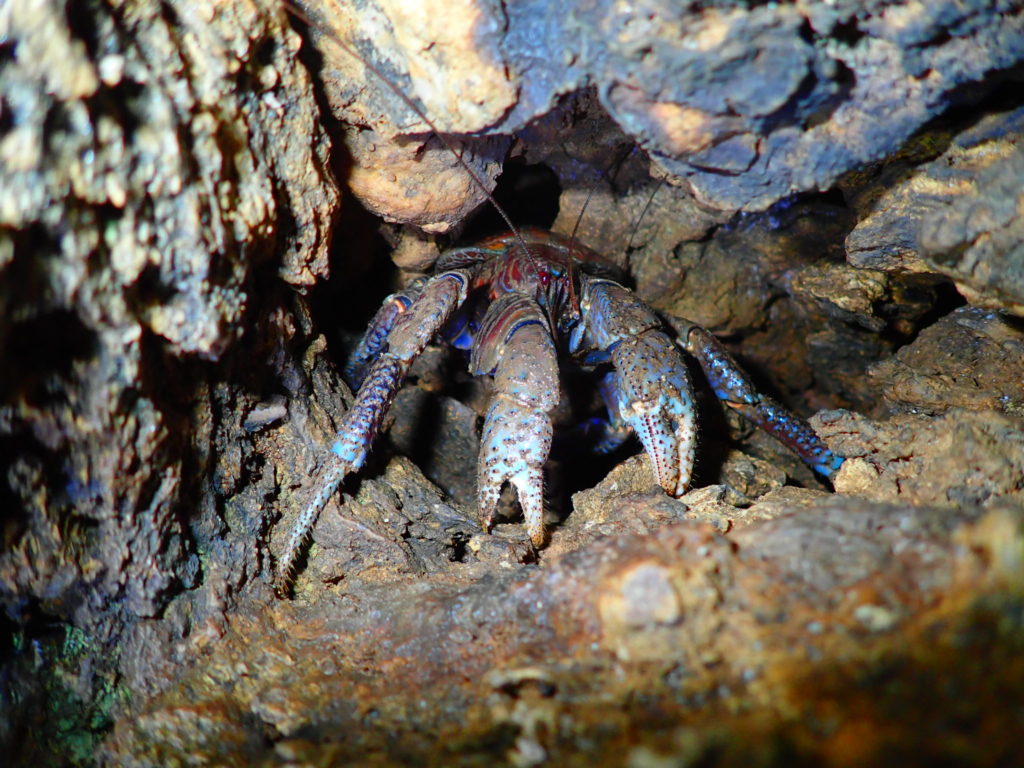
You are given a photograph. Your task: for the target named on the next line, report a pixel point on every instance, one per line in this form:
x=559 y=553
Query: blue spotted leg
x=375 y=339
x=407 y=329
x=612 y=432
x=732 y=387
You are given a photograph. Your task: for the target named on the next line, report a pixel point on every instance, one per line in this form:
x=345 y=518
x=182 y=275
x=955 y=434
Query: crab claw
x=656 y=400
x=515 y=446
x=514 y=344
x=653 y=389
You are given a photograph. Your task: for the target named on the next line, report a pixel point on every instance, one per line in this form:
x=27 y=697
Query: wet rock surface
x=168 y=191
x=526 y=660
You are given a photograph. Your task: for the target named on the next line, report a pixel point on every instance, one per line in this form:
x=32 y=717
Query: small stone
x=855 y=476
x=875 y=618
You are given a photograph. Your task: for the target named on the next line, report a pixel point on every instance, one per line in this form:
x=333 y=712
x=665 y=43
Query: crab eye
x=545 y=276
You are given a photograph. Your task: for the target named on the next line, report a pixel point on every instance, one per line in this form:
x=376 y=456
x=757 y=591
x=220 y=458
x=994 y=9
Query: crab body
x=516 y=311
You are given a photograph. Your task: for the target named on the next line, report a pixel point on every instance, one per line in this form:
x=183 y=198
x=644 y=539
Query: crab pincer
x=515 y=345
x=653 y=390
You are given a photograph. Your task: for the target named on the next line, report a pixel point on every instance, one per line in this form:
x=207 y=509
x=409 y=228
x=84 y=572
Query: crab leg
x=732 y=387
x=411 y=330
x=514 y=344
x=375 y=340
x=615 y=431
x=655 y=396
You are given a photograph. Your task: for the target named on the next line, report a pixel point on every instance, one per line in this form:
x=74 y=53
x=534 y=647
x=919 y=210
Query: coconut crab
x=514 y=302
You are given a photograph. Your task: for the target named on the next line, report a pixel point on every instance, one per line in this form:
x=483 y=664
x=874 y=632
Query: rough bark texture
x=163 y=172
x=169 y=189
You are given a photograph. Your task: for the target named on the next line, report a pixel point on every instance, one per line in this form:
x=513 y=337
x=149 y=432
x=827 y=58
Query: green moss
x=64 y=698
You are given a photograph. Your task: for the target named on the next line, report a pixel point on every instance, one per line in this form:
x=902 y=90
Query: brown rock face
x=743 y=106
x=194 y=200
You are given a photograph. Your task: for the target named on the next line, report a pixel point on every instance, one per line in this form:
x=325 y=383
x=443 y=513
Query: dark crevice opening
x=528 y=193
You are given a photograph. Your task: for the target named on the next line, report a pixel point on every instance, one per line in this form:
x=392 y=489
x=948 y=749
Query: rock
x=745 y=106
x=441 y=435
x=436 y=189
x=957 y=216
x=971 y=358
x=963 y=459
x=746 y=619
x=848 y=294
x=414 y=254
x=977 y=240
x=142 y=182
x=627 y=500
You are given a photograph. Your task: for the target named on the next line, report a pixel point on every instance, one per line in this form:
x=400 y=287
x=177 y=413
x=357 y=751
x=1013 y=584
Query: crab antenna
x=573 y=299
x=300 y=14
x=616 y=164
x=643 y=212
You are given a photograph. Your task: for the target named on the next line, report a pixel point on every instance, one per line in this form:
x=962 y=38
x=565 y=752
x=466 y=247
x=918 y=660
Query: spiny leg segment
x=731 y=385
x=375 y=339
x=411 y=328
